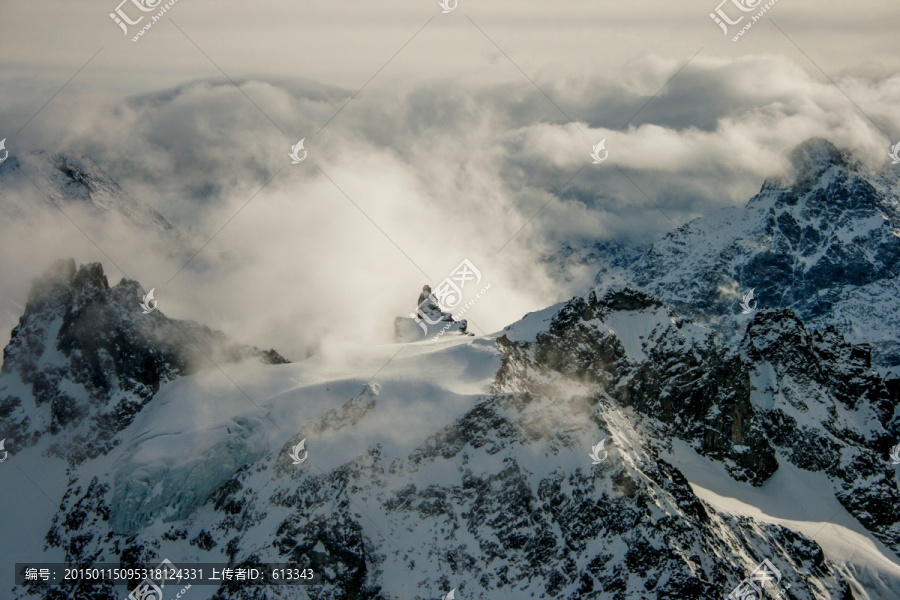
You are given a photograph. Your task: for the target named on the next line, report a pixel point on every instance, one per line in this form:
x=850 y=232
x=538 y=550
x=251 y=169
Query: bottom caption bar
x=164 y=573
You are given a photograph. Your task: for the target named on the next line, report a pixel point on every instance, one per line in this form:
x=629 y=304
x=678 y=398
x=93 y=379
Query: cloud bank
x=402 y=185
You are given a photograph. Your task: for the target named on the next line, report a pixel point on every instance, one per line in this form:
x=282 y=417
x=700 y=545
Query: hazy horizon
x=432 y=138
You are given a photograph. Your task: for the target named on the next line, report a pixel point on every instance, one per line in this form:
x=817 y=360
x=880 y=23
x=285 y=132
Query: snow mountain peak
x=825 y=243
x=816 y=155
x=463 y=465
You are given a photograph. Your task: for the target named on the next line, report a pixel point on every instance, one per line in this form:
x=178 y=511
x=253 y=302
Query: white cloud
x=445 y=171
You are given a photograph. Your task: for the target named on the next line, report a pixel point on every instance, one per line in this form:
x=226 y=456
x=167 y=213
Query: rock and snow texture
x=784 y=395
x=823 y=241
x=51 y=200
x=464 y=463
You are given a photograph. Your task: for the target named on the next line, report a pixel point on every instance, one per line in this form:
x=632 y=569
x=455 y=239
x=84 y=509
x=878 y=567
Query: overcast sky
x=432 y=137
x=347 y=41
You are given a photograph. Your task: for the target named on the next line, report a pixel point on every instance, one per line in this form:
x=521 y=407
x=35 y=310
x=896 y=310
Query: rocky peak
x=815 y=156
x=825 y=179
x=776 y=335
x=627 y=298
x=82 y=176
x=92 y=359
x=63 y=282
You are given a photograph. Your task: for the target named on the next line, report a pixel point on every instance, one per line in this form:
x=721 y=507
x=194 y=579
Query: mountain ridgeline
x=464 y=463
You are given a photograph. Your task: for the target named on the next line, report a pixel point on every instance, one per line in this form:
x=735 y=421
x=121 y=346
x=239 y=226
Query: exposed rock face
x=68 y=181
x=470 y=508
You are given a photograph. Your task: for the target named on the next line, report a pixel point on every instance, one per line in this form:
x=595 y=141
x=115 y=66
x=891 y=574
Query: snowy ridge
x=787 y=397
x=492 y=504
x=793 y=498
x=39 y=187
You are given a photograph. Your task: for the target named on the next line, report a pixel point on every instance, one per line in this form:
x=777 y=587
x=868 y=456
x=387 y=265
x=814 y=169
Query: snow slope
x=803 y=502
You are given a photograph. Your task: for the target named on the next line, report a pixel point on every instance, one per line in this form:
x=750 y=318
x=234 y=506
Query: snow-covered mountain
x=462 y=464
x=783 y=395
x=823 y=241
